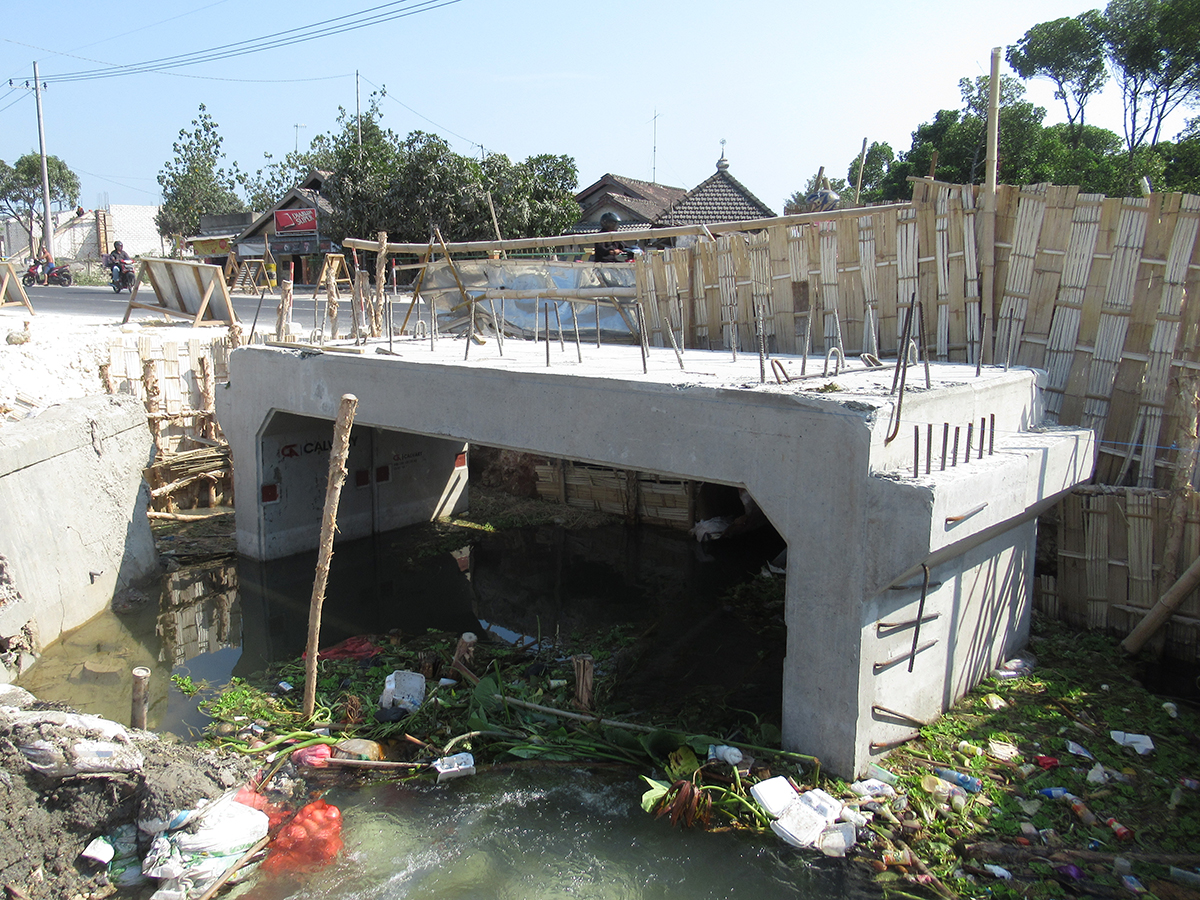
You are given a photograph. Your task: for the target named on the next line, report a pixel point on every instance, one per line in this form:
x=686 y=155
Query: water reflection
x=236 y=617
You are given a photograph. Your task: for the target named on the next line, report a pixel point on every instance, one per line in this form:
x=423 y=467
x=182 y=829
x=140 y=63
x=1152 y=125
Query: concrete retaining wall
x=73 y=530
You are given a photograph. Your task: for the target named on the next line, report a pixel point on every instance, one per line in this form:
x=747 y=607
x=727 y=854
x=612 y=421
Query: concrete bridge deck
x=813 y=453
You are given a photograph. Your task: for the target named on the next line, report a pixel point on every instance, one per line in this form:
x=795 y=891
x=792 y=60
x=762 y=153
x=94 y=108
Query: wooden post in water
x=465 y=651
x=141 y=693
x=333 y=491
x=584 y=678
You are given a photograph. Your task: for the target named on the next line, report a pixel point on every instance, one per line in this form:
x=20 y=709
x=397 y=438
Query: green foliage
x=266 y=185
x=185 y=685
x=21 y=190
x=1070 y=52
x=407 y=187
x=875 y=165
x=193 y=184
x=1154 y=49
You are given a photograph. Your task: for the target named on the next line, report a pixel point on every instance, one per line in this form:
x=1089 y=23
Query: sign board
x=295 y=221
x=211 y=246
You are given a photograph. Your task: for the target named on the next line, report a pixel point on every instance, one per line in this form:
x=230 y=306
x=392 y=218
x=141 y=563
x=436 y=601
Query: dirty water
x=515 y=832
x=236 y=617
x=529 y=835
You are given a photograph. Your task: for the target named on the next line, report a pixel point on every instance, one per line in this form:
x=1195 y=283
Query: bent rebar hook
x=778 y=369
x=841 y=361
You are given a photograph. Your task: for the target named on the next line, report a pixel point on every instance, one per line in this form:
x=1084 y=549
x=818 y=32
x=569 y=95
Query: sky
x=643 y=89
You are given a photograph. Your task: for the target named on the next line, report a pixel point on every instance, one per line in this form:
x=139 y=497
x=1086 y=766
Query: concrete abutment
x=858 y=522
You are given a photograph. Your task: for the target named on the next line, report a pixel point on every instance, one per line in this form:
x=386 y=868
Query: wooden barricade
x=185 y=290
x=12 y=292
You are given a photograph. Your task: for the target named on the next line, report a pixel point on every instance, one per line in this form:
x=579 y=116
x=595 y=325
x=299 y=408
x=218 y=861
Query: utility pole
x=358 y=112
x=654 y=151
x=47 y=229
x=298 y=126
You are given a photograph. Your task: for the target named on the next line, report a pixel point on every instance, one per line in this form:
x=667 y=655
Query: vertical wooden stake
x=380 y=285
x=333 y=492
x=465 y=651
x=584 y=680
x=141 y=694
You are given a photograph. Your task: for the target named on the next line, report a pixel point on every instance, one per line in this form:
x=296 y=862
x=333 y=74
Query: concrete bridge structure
x=814 y=453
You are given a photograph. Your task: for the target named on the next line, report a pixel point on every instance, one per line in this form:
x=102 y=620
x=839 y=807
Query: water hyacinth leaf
x=487 y=693
x=660 y=744
x=623 y=738
x=652 y=797
x=682 y=763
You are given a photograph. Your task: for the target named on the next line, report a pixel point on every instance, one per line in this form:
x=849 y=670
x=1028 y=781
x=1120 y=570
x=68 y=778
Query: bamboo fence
x=176 y=380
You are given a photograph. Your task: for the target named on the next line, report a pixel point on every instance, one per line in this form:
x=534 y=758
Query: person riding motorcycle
x=609 y=251
x=113 y=260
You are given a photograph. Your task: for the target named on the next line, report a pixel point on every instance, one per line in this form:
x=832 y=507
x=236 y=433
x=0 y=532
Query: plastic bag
x=58 y=744
x=189 y=861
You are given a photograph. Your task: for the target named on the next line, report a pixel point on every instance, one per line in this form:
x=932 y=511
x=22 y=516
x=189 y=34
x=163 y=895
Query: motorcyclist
x=113 y=260
x=45 y=264
x=609 y=251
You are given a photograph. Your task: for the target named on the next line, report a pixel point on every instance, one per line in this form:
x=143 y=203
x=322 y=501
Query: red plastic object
x=316 y=755
x=358 y=647
x=1046 y=762
x=312 y=839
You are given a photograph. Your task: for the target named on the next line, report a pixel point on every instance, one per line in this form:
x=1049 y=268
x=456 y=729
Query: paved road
x=79 y=300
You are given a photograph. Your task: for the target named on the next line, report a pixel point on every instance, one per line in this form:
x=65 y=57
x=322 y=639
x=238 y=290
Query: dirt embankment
x=50 y=818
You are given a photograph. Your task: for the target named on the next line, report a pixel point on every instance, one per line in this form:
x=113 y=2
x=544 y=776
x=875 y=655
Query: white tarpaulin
x=521 y=281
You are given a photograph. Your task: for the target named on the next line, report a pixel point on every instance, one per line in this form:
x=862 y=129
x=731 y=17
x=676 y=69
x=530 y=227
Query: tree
x=265 y=187
x=1154 y=49
x=21 y=190
x=1070 y=52
x=875 y=165
x=192 y=183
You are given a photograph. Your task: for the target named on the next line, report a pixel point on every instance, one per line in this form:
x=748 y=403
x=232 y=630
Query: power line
x=183 y=74
x=329 y=27
x=384 y=92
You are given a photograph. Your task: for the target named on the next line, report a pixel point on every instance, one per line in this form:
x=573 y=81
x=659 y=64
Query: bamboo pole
x=380 y=285
x=567 y=240
x=333 y=491
x=862 y=159
x=1163 y=609
x=987 y=249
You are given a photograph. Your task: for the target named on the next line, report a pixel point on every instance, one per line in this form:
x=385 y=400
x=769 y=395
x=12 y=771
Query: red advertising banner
x=295 y=221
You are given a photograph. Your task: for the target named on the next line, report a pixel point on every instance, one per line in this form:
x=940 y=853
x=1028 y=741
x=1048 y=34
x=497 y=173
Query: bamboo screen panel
x=1110 y=552
x=1092 y=289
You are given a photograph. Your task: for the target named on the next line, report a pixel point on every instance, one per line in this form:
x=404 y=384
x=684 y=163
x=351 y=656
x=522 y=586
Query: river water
x=517 y=831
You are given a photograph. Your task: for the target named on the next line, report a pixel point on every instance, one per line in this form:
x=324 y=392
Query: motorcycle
x=59 y=275
x=123 y=275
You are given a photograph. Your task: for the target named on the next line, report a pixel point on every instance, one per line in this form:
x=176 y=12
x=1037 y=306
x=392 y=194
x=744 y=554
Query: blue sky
x=789 y=86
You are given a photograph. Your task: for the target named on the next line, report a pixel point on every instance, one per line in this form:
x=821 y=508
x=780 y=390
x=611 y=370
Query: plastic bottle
x=1054 y=793
x=944 y=792
x=968 y=749
x=967 y=782
x=1122 y=833
x=1183 y=876
x=882 y=774
x=1086 y=816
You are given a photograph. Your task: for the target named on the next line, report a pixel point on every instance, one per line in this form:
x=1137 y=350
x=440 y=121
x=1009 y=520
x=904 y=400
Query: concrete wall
x=74 y=530
x=393 y=479
x=856 y=520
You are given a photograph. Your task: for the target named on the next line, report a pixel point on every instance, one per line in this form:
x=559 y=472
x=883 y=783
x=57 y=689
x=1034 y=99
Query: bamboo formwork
x=1110 y=556
x=1093 y=290
x=176 y=381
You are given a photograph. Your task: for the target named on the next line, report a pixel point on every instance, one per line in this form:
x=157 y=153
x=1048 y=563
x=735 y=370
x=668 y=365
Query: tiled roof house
x=719 y=198
x=635 y=202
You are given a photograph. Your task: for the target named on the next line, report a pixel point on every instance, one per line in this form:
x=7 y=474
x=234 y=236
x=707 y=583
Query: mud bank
x=50 y=818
